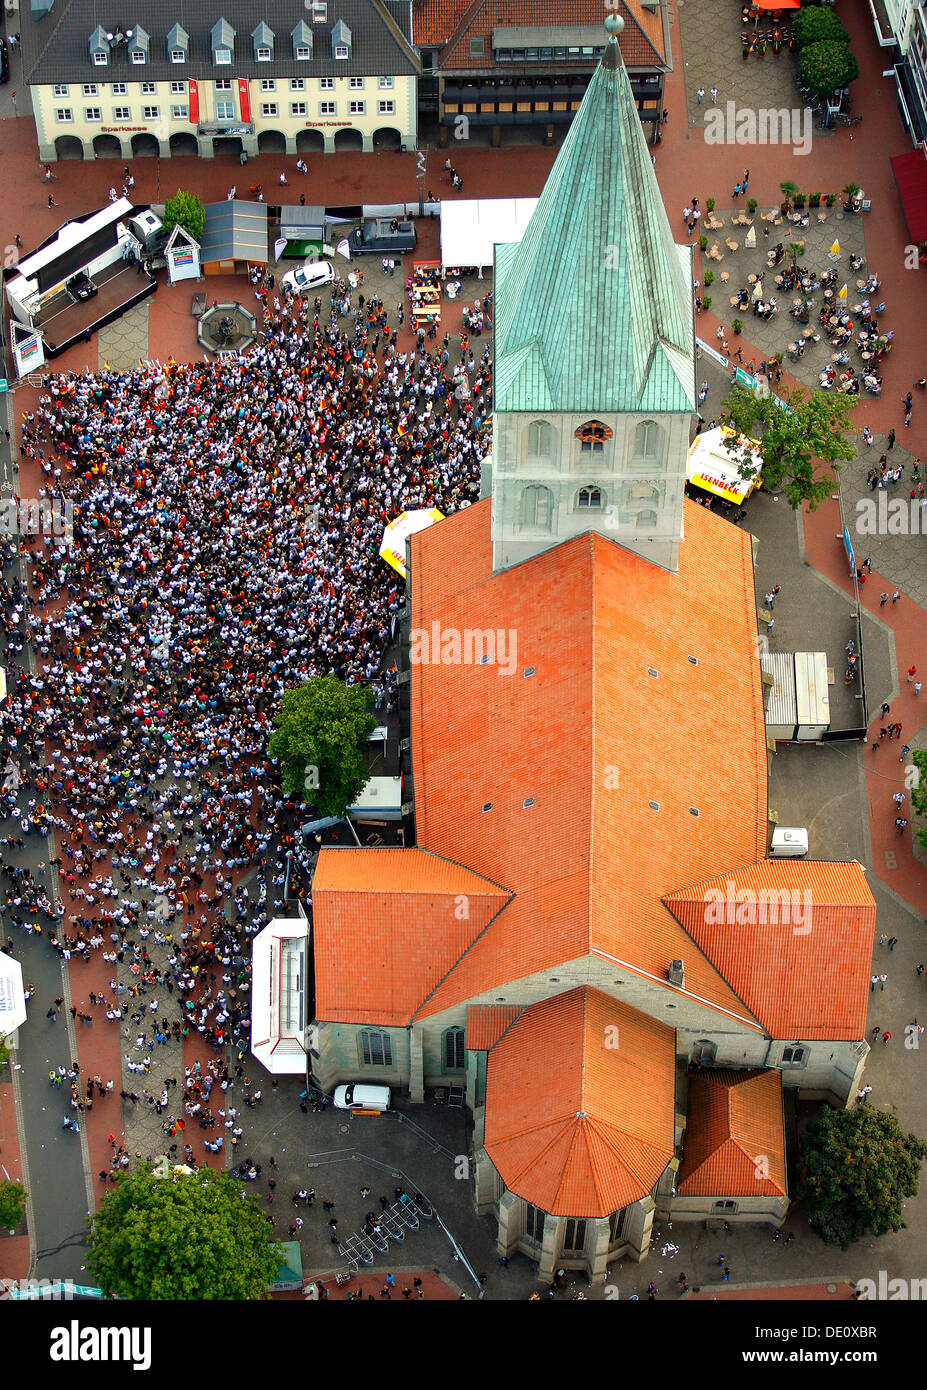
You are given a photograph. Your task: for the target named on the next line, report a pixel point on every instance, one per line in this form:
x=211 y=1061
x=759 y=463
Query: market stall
x=712 y=467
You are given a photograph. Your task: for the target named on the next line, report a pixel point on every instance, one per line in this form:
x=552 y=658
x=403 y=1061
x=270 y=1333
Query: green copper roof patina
x=594 y=305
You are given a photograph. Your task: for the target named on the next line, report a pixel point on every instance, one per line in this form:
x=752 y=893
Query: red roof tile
x=590 y=617
x=735 y=1141
x=387 y=925
x=794 y=938
x=487 y=1022
x=585 y=1127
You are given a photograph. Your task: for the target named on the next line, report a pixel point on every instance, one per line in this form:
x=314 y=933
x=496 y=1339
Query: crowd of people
x=223 y=546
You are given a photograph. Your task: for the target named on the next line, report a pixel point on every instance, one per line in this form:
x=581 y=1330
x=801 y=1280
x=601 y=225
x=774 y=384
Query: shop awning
x=713 y=469
x=911 y=177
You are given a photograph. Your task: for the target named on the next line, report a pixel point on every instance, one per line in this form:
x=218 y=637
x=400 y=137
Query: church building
x=586 y=936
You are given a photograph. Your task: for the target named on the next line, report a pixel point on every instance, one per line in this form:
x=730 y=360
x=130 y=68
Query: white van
x=357 y=1096
x=788 y=844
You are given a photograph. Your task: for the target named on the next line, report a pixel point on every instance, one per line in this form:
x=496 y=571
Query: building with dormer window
x=230 y=79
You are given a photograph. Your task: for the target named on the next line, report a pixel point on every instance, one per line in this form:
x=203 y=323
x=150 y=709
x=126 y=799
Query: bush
x=706 y=302
x=752 y=206
x=703 y=243
x=818 y=26
x=830 y=199
x=799 y=200
x=709 y=278
x=814 y=200
x=827 y=66
x=710 y=204
x=738 y=325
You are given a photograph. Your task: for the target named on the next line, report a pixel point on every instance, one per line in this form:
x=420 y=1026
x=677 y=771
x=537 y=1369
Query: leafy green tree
x=322 y=728
x=793 y=442
x=817 y=25
x=181 y=1237
x=855 y=1169
x=827 y=66
x=4 y=1051
x=185 y=210
x=12 y=1204
x=919 y=793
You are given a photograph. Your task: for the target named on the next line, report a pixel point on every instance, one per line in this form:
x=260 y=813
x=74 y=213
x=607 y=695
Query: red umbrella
x=777 y=4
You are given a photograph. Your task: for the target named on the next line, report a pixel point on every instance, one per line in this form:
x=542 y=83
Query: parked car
x=308 y=277
x=357 y=1096
x=4 y=61
x=382 y=235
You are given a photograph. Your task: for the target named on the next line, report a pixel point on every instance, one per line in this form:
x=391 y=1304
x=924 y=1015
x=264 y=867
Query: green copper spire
x=594 y=305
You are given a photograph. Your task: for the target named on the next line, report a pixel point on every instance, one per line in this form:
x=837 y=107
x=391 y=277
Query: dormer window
x=222 y=42
x=138 y=55
x=303 y=54
x=100 y=57
x=178 y=44
x=301 y=39
x=341 y=41
x=262 y=37
x=99 y=47
x=138 y=45
x=263 y=55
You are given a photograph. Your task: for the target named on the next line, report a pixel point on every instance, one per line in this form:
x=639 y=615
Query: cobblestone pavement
x=124 y=342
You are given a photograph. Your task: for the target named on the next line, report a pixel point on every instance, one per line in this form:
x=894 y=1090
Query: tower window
x=537 y=507
x=540 y=439
x=589 y=498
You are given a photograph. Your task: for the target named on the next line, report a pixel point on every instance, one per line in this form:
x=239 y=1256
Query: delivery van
x=357 y=1096
x=788 y=844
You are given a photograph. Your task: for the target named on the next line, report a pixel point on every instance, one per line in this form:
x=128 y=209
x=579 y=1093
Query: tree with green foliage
x=817 y=25
x=320 y=737
x=919 y=793
x=12 y=1204
x=183 y=1236
x=793 y=442
x=5 y=1053
x=828 y=66
x=855 y=1169
x=185 y=210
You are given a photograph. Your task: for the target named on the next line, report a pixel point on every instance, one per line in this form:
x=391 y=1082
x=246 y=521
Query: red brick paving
x=14 y=1250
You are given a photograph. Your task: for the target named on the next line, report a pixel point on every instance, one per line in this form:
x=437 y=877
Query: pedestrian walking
x=891 y=439
x=892 y=942
x=883 y=981
x=905 y=750
x=912 y=672
x=700 y=95
x=873 y=981
x=714 y=94
x=884 y=710
x=883 y=600
x=886 y=1037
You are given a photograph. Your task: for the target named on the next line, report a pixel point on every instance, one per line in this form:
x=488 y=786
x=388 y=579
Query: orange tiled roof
x=454 y=24
x=487 y=1022
x=387 y=925
x=579 y=1127
x=735 y=1142
x=586 y=737
x=796 y=946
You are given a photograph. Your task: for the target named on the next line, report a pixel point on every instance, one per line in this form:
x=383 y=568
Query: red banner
x=244 y=103
x=194 y=93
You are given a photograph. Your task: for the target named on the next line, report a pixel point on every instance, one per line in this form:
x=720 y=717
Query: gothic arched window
x=537 y=506
x=540 y=439
x=589 y=499
x=648 y=443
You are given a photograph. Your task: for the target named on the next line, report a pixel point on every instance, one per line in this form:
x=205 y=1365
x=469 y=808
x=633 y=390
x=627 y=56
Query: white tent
x=470 y=228
x=12 y=995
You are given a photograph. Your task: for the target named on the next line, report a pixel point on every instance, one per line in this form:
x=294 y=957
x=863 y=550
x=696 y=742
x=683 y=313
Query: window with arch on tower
x=592 y=436
x=589 y=499
x=537 y=506
x=648 y=445
x=540 y=440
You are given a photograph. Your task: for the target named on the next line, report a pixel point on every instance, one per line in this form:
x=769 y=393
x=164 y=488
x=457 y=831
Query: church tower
x=594 y=347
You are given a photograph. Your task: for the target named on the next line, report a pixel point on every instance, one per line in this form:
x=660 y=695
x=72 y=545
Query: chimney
x=676 y=973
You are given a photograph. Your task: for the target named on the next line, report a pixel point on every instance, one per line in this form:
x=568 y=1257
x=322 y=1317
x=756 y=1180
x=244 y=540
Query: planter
x=737 y=325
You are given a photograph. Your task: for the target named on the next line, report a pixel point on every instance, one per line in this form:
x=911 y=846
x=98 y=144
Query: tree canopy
x=181 y=1237
x=321 y=731
x=855 y=1169
x=12 y=1204
x=827 y=66
x=816 y=25
x=800 y=446
x=185 y=210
